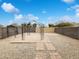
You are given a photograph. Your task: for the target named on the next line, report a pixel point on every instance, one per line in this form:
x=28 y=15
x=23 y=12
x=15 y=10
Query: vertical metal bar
x=2 y=32
x=15 y=31
x=7 y=32
x=78 y=33
x=42 y=31
x=22 y=32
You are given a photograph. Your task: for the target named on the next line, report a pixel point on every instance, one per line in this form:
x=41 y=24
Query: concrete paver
x=67 y=47
x=50 y=46
x=40 y=46
x=53 y=46
x=55 y=56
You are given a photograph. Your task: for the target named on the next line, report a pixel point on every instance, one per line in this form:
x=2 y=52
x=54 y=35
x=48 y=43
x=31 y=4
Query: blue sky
x=44 y=11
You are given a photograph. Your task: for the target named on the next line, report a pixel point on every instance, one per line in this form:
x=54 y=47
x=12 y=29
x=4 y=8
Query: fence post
x=2 y=32
x=7 y=32
x=78 y=33
x=22 y=32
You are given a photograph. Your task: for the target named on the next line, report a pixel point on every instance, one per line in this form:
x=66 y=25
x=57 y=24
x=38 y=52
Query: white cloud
x=69 y=18
x=66 y=19
x=31 y=17
x=68 y=1
x=77 y=14
x=10 y=22
x=69 y=9
x=19 y=17
x=28 y=17
x=76 y=9
x=50 y=20
x=23 y=18
x=44 y=12
x=8 y=7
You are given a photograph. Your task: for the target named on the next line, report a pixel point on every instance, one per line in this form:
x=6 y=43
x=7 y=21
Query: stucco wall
x=46 y=30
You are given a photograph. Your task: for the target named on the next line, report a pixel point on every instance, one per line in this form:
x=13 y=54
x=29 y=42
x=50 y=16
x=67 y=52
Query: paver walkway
x=53 y=46
x=67 y=47
x=29 y=48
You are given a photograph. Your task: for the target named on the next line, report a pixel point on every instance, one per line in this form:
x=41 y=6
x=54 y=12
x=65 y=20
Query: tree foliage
x=51 y=25
x=61 y=24
x=64 y=24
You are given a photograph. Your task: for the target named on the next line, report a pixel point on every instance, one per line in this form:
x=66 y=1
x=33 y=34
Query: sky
x=43 y=11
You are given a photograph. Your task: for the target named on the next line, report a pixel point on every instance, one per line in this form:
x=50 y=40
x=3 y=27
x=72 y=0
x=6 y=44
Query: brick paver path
x=53 y=46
